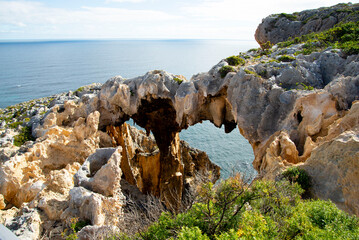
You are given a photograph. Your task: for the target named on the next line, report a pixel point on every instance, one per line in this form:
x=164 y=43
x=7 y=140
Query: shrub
x=225 y=69
x=178 y=80
x=191 y=233
x=286 y=58
x=235 y=61
x=14 y=125
x=344 y=36
x=297 y=175
x=24 y=136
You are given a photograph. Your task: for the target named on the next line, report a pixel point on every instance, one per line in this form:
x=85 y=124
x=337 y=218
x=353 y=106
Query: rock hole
x=299 y=116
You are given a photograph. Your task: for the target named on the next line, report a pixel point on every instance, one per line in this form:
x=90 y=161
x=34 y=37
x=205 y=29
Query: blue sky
x=158 y=19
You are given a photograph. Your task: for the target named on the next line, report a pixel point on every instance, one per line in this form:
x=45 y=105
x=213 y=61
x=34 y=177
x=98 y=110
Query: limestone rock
x=98 y=209
x=101 y=172
x=2 y=203
x=27 y=225
x=279 y=27
x=333 y=167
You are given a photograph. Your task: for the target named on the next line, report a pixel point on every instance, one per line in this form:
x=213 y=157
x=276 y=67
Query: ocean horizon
x=35 y=69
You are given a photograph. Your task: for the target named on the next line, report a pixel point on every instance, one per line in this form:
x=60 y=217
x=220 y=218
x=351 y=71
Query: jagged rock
x=2 y=203
x=279 y=27
x=98 y=209
x=97 y=232
x=101 y=172
x=27 y=225
x=333 y=167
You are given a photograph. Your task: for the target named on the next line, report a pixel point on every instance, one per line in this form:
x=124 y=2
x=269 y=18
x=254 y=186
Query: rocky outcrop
x=75 y=170
x=279 y=27
x=293 y=109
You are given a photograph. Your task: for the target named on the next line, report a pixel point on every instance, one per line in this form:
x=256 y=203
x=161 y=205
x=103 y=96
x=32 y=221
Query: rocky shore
x=295 y=107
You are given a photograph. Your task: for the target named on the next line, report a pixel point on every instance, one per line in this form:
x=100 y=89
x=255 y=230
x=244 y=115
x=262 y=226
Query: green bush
x=226 y=69
x=24 y=136
x=263 y=210
x=235 y=61
x=297 y=175
x=14 y=125
x=178 y=80
x=286 y=58
x=187 y=233
x=344 y=36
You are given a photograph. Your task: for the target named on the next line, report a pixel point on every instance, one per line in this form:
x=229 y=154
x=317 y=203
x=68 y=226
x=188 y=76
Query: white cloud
x=236 y=19
x=122 y=1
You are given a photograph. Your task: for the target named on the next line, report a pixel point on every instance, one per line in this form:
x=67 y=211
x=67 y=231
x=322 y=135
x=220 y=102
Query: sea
x=38 y=68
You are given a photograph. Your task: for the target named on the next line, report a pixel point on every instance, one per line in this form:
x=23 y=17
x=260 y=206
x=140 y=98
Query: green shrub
x=187 y=233
x=264 y=210
x=297 y=175
x=235 y=61
x=320 y=220
x=14 y=125
x=286 y=58
x=178 y=80
x=24 y=136
x=226 y=69
x=344 y=36
x=288 y=16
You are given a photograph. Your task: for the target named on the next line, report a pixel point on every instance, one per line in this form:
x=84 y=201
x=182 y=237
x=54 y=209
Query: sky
x=141 y=19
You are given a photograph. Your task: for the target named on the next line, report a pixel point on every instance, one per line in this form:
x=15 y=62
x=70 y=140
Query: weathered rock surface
x=47 y=175
x=286 y=122
x=279 y=27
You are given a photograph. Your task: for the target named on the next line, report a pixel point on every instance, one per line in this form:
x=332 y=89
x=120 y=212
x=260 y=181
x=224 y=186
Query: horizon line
x=114 y=39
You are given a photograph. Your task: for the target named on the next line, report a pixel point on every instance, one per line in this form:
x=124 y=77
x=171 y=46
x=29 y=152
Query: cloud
x=122 y=1
x=36 y=19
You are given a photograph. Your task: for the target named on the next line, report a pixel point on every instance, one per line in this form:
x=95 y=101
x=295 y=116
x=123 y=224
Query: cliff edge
x=296 y=103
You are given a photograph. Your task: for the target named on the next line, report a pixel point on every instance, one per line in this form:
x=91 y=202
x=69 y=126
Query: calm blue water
x=31 y=70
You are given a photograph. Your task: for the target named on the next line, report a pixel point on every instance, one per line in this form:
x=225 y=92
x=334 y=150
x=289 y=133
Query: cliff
x=280 y=27
x=295 y=107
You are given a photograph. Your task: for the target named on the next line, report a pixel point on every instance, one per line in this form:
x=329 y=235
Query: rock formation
x=279 y=27
x=302 y=111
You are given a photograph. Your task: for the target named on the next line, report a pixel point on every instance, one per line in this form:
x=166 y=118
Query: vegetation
x=286 y=58
x=261 y=210
x=226 y=69
x=75 y=226
x=24 y=136
x=178 y=80
x=343 y=36
x=291 y=17
x=305 y=87
x=299 y=176
x=235 y=61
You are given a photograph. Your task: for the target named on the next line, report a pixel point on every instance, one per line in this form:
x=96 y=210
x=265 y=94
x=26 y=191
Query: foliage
x=343 y=36
x=75 y=227
x=305 y=87
x=297 y=175
x=14 y=125
x=291 y=17
x=286 y=58
x=178 y=80
x=80 y=89
x=262 y=210
x=191 y=233
x=24 y=136
x=235 y=61
x=226 y=69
